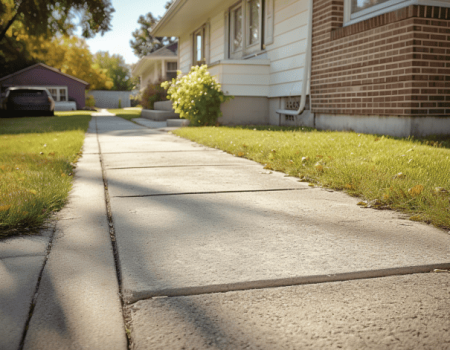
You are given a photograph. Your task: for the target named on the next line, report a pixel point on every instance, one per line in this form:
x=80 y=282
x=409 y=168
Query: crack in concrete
x=134 y=297
x=211 y=192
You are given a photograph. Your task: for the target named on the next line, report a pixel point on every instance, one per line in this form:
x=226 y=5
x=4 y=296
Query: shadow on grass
x=78 y=120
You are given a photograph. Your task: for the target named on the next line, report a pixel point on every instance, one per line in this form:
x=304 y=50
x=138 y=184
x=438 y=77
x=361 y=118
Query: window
x=236 y=33
x=359 y=10
x=199 y=47
x=171 y=71
x=54 y=93
x=62 y=95
x=250 y=24
x=59 y=93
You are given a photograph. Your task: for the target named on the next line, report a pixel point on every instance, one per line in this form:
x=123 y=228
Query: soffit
x=186 y=15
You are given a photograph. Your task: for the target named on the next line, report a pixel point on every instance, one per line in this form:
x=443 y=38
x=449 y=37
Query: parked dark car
x=25 y=100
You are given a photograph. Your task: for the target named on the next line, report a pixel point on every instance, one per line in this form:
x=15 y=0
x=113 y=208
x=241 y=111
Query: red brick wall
x=394 y=64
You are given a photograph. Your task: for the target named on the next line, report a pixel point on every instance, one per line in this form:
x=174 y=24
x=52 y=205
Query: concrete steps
x=162 y=112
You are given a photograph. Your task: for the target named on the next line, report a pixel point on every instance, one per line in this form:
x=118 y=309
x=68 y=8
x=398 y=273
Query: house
x=160 y=65
x=376 y=66
x=67 y=91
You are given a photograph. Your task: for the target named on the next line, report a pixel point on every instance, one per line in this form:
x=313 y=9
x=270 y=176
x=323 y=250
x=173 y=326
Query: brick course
x=394 y=64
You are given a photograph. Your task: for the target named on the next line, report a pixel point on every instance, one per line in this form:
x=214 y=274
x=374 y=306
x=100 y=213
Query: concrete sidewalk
x=210 y=251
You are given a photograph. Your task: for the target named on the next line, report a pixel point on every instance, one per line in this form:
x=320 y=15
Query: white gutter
x=306 y=72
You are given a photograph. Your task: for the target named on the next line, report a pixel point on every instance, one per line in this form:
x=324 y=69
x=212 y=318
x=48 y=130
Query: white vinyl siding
x=285 y=55
x=288 y=51
x=185 y=48
x=217 y=38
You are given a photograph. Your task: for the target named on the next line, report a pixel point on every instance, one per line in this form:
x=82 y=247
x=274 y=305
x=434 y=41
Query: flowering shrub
x=196 y=96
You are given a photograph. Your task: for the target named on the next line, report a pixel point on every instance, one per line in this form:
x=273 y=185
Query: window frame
x=58 y=92
x=384 y=7
x=247 y=50
x=236 y=53
x=202 y=32
x=168 y=71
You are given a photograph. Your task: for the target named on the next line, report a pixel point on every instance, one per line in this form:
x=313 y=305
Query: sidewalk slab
x=178 y=245
x=406 y=312
x=164 y=180
x=78 y=306
x=19 y=277
x=174 y=159
x=150 y=123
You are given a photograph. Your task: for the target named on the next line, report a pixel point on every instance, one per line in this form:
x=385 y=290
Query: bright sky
x=124 y=22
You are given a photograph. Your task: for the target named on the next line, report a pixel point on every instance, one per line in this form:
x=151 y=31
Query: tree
x=70 y=55
x=116 y=69
x=46 y=18
x=143 y=42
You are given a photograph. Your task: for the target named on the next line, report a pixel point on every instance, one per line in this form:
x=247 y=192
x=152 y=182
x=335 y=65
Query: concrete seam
x=36 y=291
x=181 y=166
x=200 y=150
x=286 y=282
x=112 y=234
x=212 y=192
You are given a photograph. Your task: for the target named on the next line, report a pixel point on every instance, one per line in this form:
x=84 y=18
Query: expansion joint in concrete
x=212 y=192
x=181 y=166
x=287 y=282
x=36 y=291
x=180 y=151
x=112 y=234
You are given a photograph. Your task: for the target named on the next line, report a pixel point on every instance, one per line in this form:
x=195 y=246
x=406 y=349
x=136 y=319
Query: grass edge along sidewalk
x=404 y=174
x=37 y=157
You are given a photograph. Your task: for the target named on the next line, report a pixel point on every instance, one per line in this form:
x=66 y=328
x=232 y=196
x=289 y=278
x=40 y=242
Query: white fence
x=110 y=99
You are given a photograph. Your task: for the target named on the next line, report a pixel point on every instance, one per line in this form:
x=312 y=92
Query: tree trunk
x=11 y=21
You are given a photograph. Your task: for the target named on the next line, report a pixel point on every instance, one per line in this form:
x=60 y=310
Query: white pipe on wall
x=307 y=70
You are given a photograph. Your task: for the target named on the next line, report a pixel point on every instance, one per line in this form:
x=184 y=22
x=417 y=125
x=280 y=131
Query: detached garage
x=67 y=91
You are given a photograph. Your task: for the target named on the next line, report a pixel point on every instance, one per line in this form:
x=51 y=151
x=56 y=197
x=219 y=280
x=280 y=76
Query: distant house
x=63 y=87
x=376 y=66
x=160 y=65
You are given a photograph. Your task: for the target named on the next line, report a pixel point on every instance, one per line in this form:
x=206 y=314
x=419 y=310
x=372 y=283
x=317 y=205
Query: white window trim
x=247 y=50
x=382 y=8
x=58 y=95
x=202 y=32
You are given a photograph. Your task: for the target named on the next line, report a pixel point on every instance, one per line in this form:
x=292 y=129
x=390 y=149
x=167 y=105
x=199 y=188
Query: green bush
x=120 y=103
x=153 y=93
x=90 y=101
x=196 y=96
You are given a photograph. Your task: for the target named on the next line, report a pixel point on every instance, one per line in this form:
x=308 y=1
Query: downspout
x=306 y=72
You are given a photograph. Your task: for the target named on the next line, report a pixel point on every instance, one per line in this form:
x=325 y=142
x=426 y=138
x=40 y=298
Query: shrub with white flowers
x=196 y=96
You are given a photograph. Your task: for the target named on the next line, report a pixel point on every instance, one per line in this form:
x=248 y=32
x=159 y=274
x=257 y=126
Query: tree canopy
x=42 y=18
x=143 y=42
x=116 y=69
x=70 y=55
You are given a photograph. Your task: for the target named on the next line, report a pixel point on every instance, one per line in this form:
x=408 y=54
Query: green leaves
x=196 y=96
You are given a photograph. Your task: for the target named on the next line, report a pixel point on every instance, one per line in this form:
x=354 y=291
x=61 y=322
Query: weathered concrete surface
x=406 y=312
x=78 y=306
x=18 y=280
x=172 y=159
x=176 y=244
x=33 y=245
x=163 y=180
x=150 y=123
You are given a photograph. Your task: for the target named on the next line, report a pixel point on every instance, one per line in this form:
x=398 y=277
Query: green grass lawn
x=36 y=157
x=127 y=114
x=408 y=175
